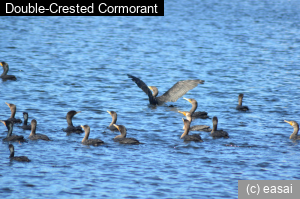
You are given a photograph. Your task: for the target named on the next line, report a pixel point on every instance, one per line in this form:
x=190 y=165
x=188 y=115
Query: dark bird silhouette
x=186 y=136
x=172 y=95
x=295 y=125
x=4 y=75
x=10 y=137
x=240 y=107
x=71 y=128
x=13 y=109
x=122 y=138
x=86 y=140
x=17 y=158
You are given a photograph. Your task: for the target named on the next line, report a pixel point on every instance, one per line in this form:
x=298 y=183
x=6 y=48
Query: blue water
x=80 y=63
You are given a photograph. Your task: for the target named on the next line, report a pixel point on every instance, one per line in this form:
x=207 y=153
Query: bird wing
x=143 y=86
x=178 y=90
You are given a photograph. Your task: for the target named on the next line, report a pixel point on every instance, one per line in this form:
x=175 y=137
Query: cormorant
x=122 y=138
x=4 y=75
x=17 y=158
x=114 y=120
x=199 y=114
x=33 y=135
x=294 y=135
x=14 y=138
x=13 y=109
x=196 y=127
x=240 y=107
x=186 y=136
x=71 y=128
x=25 y=125
x=172 y=95
x=86 y=140
x=217 y=133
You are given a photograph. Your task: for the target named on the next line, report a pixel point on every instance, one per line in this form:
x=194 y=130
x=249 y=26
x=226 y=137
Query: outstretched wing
x=144 y=87
x=178 y=90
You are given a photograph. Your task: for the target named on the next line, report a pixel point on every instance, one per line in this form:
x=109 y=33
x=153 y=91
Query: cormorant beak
x=3 y=122
x=182 y=112
x=81 y=126
x=150 y=87
x=109 y=112
x=7 y=104
x=288 y=122
x=187 y=99
x=1 y=64
x=116 y=126
x=78 y=112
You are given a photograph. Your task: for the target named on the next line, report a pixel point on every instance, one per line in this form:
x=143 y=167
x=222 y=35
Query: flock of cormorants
x=172 y=95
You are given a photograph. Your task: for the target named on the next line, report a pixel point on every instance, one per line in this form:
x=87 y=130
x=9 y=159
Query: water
x=80 y=63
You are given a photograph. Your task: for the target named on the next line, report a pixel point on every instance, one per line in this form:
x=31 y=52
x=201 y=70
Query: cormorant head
x=154 y=90
x=293 y=124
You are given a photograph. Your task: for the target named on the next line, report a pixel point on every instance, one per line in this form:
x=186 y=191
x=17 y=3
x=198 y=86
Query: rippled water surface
x=80 y=63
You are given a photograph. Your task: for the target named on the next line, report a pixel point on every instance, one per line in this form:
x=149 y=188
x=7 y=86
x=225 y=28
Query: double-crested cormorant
x=25 y=125
x=17 y=158
x=186 y=136
x=71 y=128
x=114 y=120
x=86 y=140
x=199 y=114
x=294 y=135
x=13 y=109
x=14 y=138
x=4 y=75
x=122 y=138
x=217 y=133
x=33 y=135
x=172 y=95
x=240 y=107
x=196 y=127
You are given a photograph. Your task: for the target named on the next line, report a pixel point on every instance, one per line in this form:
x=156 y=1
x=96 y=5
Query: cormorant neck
x=295 y=133
x=33 y=130
x=13 y=112
x=69 y=120
x=114 y=120
x=86 y=136
x=5 y=71
x=194 y=107
x=186 y=129
x=215 y=126
x=155 y=93
x=12 y=154
x=25 y=121
x=10 y=130
x=240 y=101
x=123 y=134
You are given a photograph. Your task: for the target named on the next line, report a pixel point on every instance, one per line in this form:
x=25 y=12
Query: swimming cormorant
x=17 y=158
x=4 y=75
x=240 y=107
x=122 y=138
x=33 y=135
x=25 y=125
x=196 y=127
x=198 y=114
x=14 y=138
x=86 y=140
x=217 y=133
x=294 y=135
x=186 y=136
x=71 y=128
x=13 y=109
